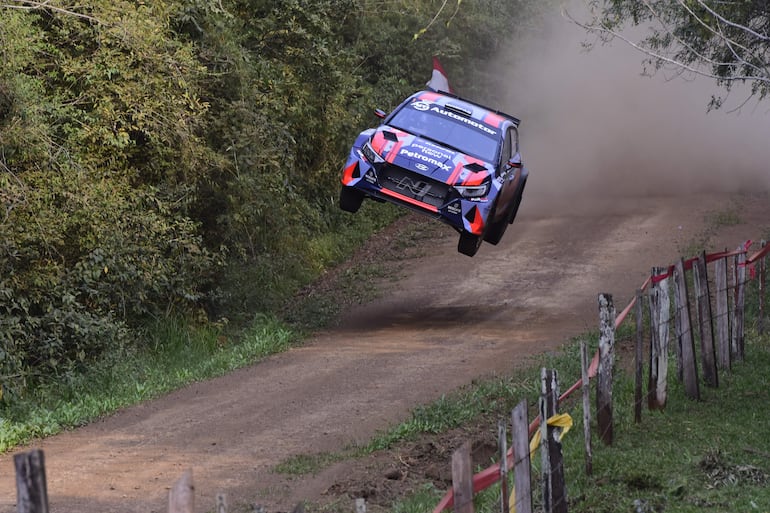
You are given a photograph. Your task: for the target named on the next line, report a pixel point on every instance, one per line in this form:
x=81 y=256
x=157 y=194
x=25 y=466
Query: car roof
x=469 y=108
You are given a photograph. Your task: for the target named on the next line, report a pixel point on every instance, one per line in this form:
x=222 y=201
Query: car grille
x=413 y=185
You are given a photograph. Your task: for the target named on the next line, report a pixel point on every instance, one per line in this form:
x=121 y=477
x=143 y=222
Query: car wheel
x=496 y=230
x=517 y=203
x=469 y=243
x=350 y=199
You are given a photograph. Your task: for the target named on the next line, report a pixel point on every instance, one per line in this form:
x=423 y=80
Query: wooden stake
x=740 y=294
x=31 y=488
x=723 y=314
x=462 y=479
x=502 y=444
x=522 y=478
x=687 y=344
x=221 y=503
x=705 y=325
x=660 y=327
x=762 y=265
x=554 y=490
x=604 y=372
x=586 y=388
x=181 y=496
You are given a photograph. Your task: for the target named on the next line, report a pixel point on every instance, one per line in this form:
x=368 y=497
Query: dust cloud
x=593 y=125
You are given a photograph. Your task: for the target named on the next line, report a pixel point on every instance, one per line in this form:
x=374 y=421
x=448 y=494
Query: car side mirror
x=379 y=113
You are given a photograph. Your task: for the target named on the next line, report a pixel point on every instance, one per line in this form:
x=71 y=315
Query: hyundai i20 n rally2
x=445 y=157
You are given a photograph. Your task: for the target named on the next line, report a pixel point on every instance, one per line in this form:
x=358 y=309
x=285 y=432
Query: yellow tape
x=561 y=420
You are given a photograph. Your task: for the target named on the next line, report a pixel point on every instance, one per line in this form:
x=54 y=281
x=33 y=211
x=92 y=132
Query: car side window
x=513 y=133
x=506 y=153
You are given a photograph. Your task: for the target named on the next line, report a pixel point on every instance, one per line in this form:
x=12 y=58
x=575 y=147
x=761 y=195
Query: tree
x=725 y=41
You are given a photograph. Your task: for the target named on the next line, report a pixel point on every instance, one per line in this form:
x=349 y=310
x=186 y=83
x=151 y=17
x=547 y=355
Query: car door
x=507 y=173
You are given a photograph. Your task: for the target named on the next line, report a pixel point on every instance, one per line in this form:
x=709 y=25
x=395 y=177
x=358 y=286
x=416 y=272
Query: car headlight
x=371 y=155
x=473 y=191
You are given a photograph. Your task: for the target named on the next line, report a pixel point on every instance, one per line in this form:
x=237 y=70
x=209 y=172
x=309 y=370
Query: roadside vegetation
x=169 y=174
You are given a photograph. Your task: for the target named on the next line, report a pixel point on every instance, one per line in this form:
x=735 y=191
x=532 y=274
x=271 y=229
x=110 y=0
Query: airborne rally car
x=445 y=157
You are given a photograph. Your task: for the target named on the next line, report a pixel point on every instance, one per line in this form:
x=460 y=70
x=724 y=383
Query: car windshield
x=444 y=127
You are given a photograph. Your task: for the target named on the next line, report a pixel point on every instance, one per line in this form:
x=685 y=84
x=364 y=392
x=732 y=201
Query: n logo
x=417 y=188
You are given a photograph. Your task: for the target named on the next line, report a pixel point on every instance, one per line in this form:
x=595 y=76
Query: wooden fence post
x=586 y=388
x=181 y=496
x=723 y=314
x=604 y=372
x=660 y=326
x=502 y=444
x=462 y=479
x=221 y=503
x=522 y=467
x=639 y=355
x=761 y=281
x=554 y=491
x=705 y=325
x=738 y=350
x=31 y=487
x=687 y=344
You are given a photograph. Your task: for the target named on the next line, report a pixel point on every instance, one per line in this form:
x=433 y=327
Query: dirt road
x=448 y=320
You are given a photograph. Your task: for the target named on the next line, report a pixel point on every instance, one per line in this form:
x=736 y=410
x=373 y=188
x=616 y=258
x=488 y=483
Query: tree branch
x=733 y=24
x=30 y=5
x=719 y=33
x=606 y=33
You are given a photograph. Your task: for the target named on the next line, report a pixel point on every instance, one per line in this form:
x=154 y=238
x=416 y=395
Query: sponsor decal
x=421 y=105
x=421 y=167
x=433 y=152
x=463 y=119
x=425 y=158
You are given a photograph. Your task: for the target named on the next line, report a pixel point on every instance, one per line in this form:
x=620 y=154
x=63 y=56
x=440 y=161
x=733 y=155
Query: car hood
x=427 y=158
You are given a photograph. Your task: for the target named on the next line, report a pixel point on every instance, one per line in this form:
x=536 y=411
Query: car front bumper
x=417 y=192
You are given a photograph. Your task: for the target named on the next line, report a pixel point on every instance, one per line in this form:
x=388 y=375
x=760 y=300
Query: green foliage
x=97 y=168
x=182 y=157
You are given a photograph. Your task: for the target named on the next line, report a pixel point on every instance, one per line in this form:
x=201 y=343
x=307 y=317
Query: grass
x=666 y=461
x=302 y=464
x=177 y=355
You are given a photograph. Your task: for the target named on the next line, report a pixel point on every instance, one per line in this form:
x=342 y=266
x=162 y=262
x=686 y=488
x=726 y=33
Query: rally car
x=443 y=156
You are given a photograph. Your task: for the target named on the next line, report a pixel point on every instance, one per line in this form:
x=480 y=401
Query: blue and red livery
x=443 y=156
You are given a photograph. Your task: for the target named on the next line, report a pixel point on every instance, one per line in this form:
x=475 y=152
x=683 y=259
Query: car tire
x=469 y=243
x=350 y=199
x=496 y=230
x=517 y=203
